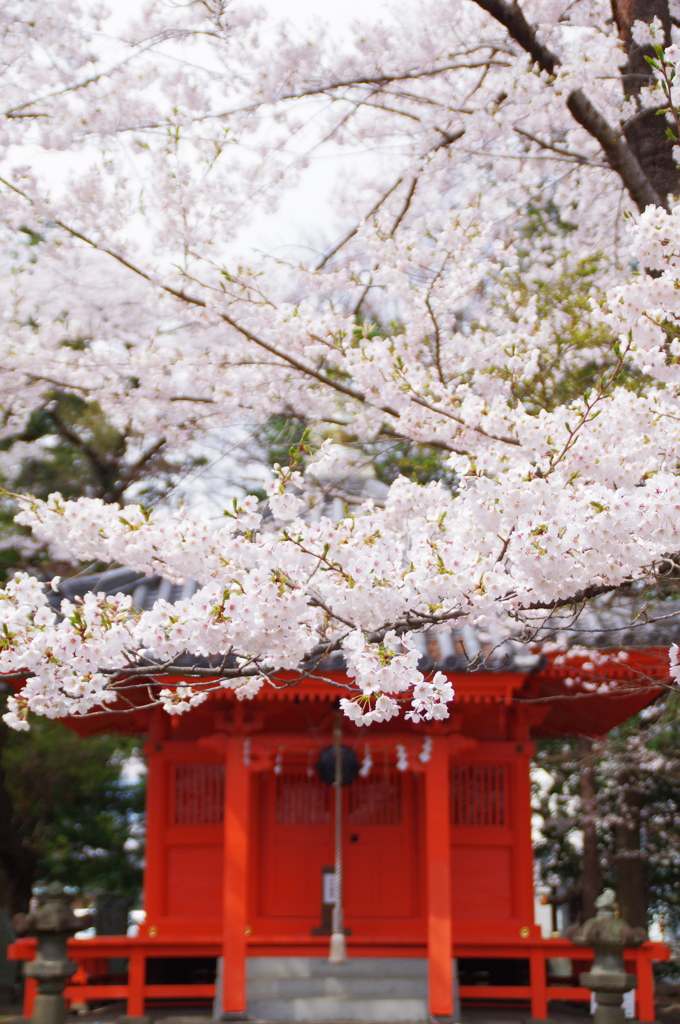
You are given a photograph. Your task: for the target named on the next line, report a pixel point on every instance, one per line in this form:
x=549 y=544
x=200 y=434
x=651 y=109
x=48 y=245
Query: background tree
x=67 y=812
x=68 y=446
x=609 y=813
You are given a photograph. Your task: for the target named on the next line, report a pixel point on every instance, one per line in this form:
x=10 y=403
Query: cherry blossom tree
x=142 y=158
x=621 y=794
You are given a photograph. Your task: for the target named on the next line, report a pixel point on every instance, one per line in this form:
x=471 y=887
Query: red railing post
x=136 y=982
x=438 y=856
x=539 y=986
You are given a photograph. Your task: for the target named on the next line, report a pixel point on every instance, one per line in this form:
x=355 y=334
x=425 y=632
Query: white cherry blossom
x=138 y=164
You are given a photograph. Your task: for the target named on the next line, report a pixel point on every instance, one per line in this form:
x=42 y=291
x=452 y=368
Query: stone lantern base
x=608 y=987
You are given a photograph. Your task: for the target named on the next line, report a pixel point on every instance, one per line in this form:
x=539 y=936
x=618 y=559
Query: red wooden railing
x=91 y=956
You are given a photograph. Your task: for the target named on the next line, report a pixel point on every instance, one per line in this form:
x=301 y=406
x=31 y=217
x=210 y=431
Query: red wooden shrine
x=436 y=837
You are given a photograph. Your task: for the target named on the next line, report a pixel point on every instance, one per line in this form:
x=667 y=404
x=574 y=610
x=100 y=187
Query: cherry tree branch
x=615 y=147
x=286 y=357
x=579 y=158
x=20 y=109
x=511 y=17
x=448 y=138
x=353 y=231
x=620 y=156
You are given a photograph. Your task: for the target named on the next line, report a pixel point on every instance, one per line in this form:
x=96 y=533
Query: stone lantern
x=609 y=936
x=52 y=923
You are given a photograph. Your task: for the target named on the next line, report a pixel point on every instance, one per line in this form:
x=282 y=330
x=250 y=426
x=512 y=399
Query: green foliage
x=578 y=356
x=16 y=544
x=82 y=454
x=71 y=806
x=541 y=220
x=79 y=454
x=418 y=462
x=581 y=354
x=390 y=458
x=278 y=435
x=75 y=450
x=33 y=237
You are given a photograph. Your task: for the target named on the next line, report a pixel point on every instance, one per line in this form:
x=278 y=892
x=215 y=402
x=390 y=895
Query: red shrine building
x=438 y=879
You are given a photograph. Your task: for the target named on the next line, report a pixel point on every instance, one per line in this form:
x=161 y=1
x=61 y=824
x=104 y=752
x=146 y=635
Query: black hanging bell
x=349 y=761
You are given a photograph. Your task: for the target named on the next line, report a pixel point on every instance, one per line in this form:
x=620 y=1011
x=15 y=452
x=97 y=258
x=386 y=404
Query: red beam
x=236 y=807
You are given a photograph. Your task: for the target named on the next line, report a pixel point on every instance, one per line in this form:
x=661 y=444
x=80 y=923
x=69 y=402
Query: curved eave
x=481 y=688
x=587 y=695
x=592 y=694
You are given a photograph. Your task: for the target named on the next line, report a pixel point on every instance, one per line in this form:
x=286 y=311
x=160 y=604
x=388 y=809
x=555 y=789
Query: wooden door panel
x=295 y=843
x=291 y=885
x=380 y=848
x=380 y=852
x=194 y=874
x=483 y=837
x=193 y=840
x=481 y=882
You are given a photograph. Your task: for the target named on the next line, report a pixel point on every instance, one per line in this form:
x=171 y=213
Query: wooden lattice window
x=375 y=800
x=302 y=798
x=479 y=794
x=199 y=794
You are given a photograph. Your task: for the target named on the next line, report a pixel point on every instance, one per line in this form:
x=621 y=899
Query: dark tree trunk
x=646 y=133
x=591 y=882
x=639 y=152
x=630 y=875
x=17 y=860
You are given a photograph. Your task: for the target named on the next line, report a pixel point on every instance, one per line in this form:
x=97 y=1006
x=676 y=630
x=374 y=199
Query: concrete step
x=352 y=987
x=330 y=1008
x=363 y=989
x=319 y=967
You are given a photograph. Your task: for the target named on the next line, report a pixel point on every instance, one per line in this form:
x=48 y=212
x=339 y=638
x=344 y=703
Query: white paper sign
x=329 y=887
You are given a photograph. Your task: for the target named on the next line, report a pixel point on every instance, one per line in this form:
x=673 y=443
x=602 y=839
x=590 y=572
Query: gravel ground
x=114 y=1013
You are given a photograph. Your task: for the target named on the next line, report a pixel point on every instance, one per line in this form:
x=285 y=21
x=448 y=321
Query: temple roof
x=599 y=667
x=617 y=621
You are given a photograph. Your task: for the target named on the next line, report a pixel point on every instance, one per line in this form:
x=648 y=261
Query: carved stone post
x=52 y=923
x=609 y=936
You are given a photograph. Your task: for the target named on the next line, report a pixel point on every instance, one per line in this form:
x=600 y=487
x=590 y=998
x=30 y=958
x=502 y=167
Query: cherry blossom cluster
x=139 y=162
x=391 y=668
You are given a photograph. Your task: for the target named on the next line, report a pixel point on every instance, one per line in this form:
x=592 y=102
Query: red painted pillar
x=646 y=1009
x=438 y=856
x=156 y=818
x=236 y=807
x=539 y=985
x=523 y=866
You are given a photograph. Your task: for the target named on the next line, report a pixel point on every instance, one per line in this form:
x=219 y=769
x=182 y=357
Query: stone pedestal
x=51 y=975
x=609 y=936
x=608 y=987
x=52 y=924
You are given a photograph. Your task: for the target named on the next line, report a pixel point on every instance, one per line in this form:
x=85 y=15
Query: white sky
x=338 y=13
x=306 y=216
